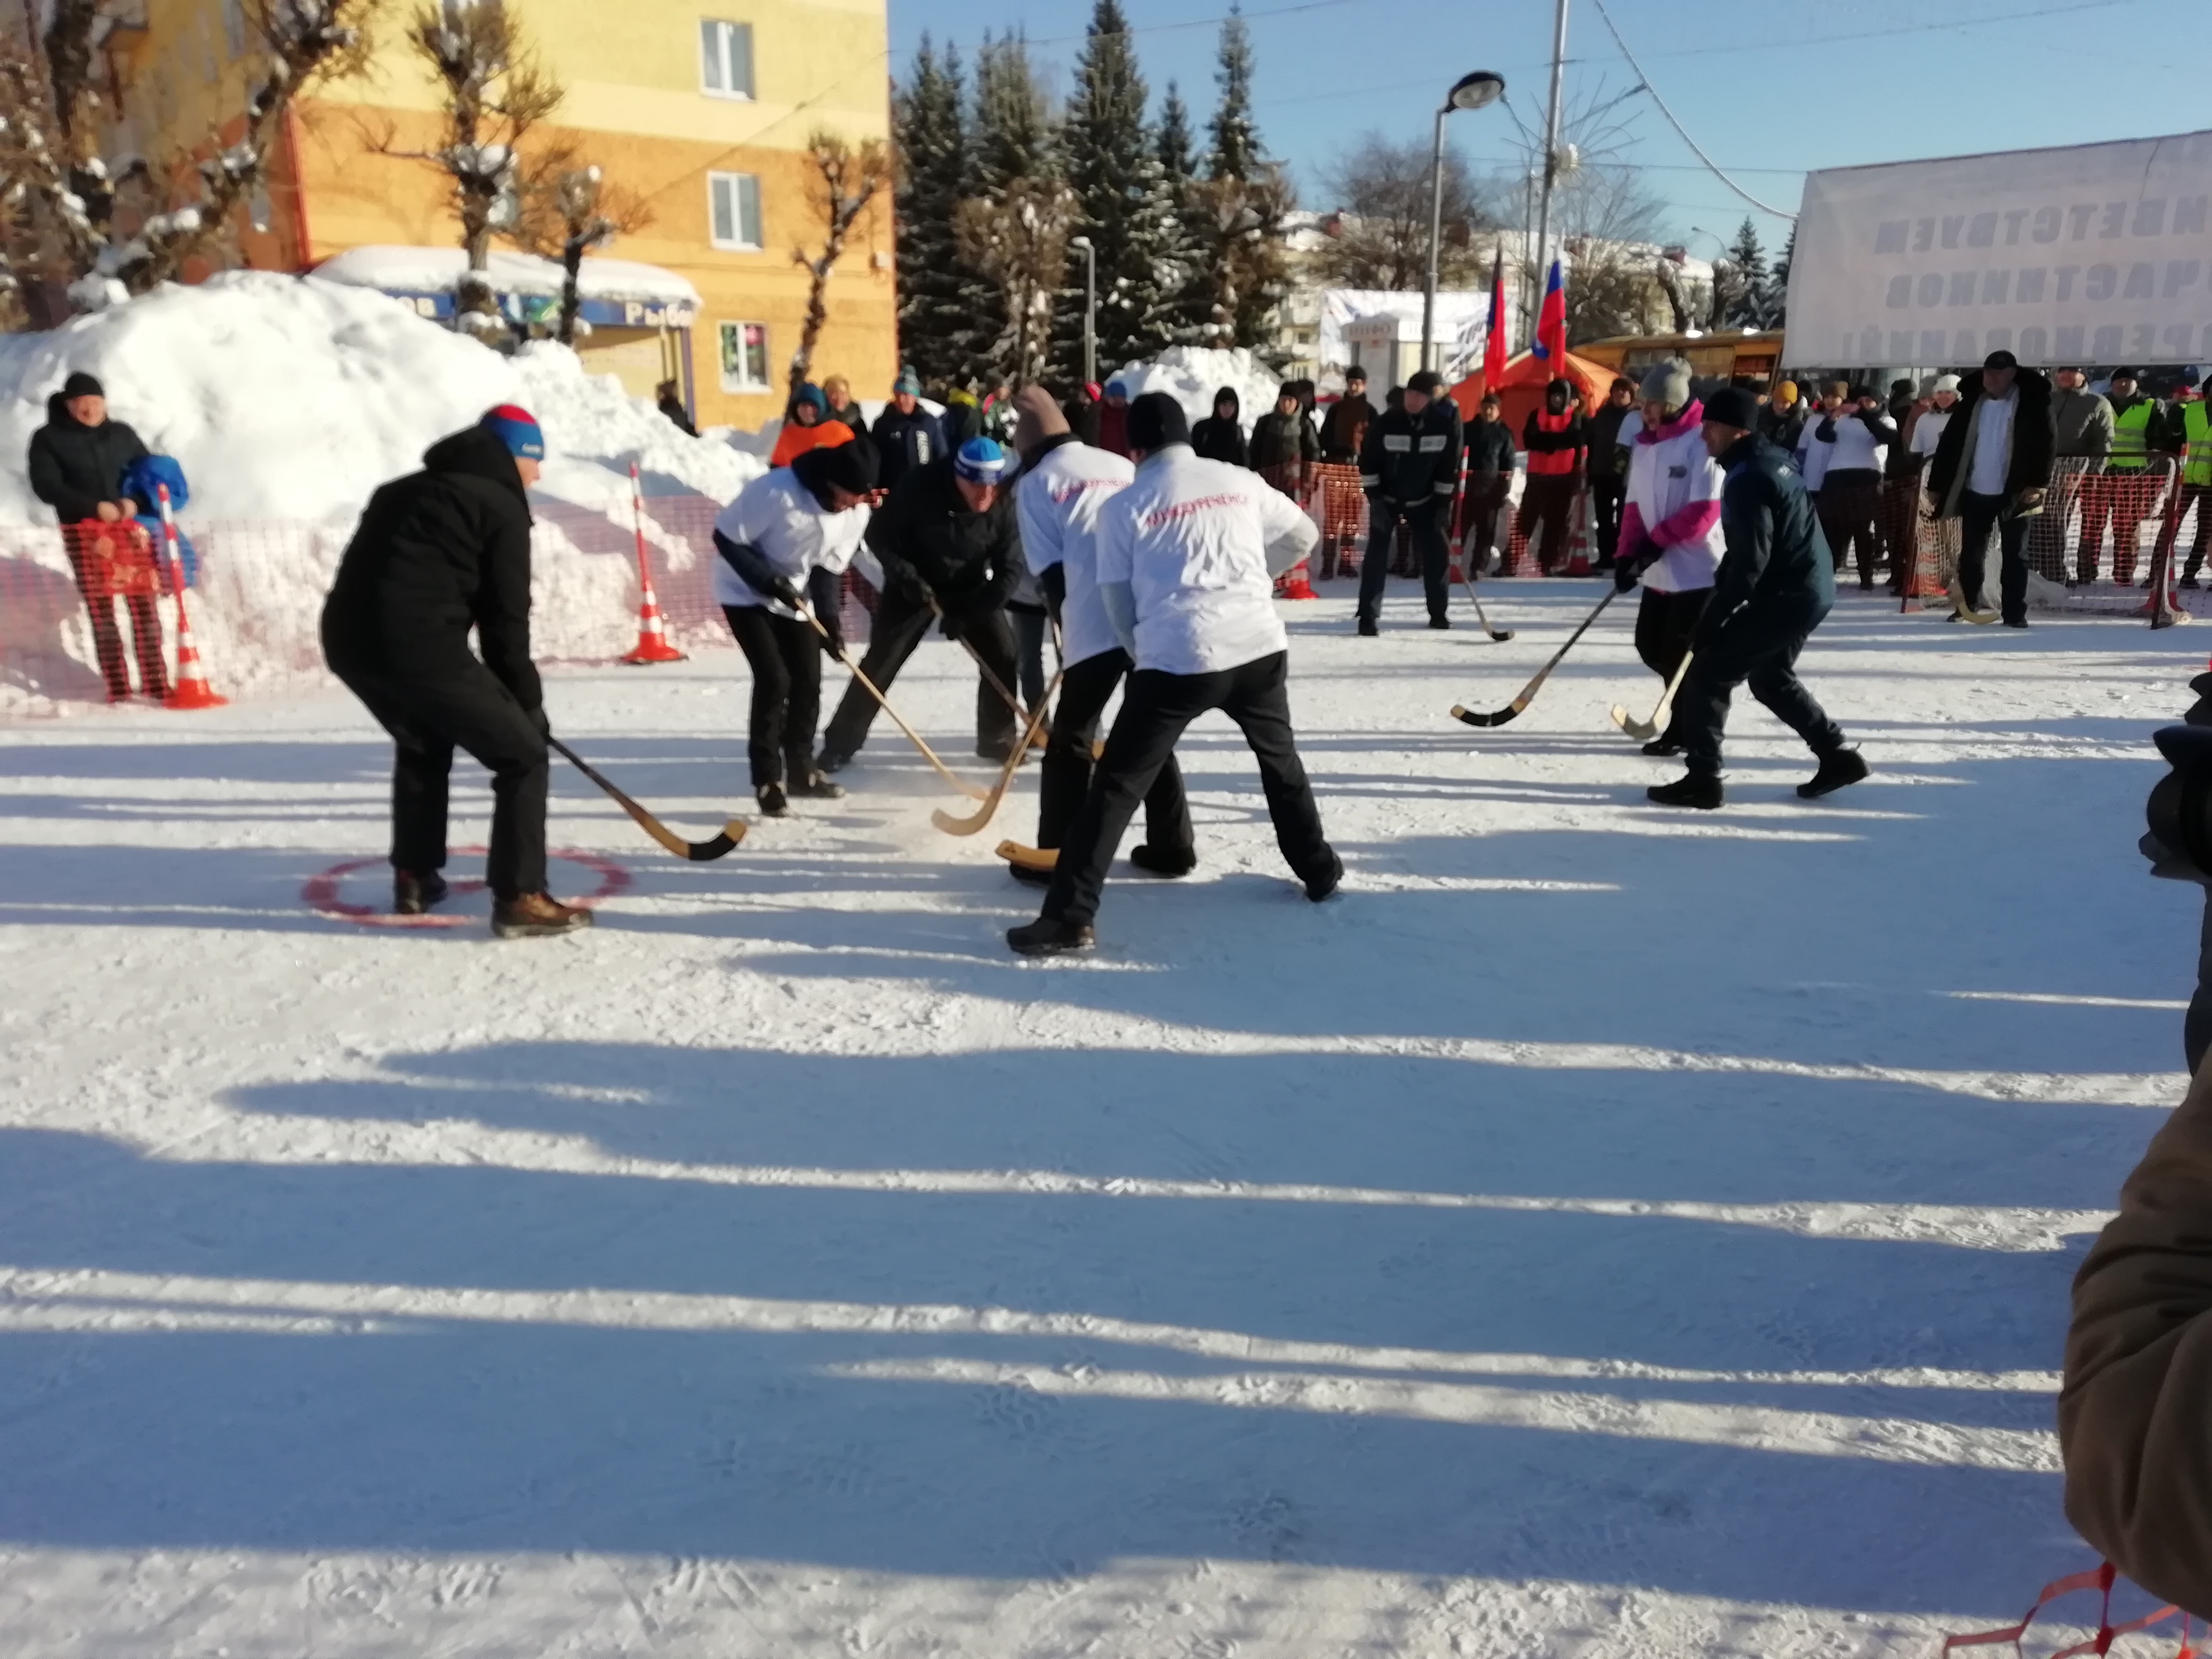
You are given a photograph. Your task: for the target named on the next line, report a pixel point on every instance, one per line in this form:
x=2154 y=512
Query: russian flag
x=1552 y=321
x=1493 y=349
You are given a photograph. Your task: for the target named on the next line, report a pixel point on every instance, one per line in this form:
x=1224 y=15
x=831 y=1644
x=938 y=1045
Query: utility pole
x=1551 y=146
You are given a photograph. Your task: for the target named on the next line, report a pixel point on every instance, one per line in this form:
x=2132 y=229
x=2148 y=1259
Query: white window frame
x=737 y=242
x=717 y=60
x=739 y=383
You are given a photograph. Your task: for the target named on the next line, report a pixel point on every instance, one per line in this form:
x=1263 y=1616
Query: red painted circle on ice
x=320 y=894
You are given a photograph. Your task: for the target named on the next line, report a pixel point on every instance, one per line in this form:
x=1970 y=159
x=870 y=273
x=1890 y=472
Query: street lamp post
x=1082 y=244
x=1469 y=92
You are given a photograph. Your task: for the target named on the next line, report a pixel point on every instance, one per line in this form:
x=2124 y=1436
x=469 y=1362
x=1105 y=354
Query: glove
x=833 y=642
x=1625 y=573
x=782 y=589
x=538 y=719
x=951 y=623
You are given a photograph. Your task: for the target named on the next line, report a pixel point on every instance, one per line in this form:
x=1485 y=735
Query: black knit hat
x=2000 y=360
x=81 y=385
x=1428 y=383
x=850 y=466
x=1156 y=421
x=1733 y=406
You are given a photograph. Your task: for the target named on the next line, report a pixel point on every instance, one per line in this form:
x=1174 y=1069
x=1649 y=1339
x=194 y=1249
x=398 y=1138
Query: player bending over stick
x=1187 y=558
x=1775 y=581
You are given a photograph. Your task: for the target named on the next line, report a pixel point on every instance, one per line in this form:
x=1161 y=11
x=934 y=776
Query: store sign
x=2096 y=254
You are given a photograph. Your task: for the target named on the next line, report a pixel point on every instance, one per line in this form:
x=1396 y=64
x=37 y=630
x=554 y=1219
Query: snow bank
x=288 y=400
x=440 y=269
x=1192 y=374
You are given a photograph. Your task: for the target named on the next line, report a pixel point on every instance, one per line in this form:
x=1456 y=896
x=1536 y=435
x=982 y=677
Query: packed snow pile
x=1192 y=374
x=288 y=400
x=440 y=270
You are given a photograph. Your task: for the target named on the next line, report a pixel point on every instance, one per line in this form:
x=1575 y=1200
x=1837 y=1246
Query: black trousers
x=1030 y=624
x=2198 y=496
x=1850 y=509
x=1606 y=496
x=1976 y=515
x=1485 y=498
x=899 y=623
x=107 y=638
x=785 y=655
x=430 y=710
x=1426 y=523
x=1665 y=625
x=1758 y=646
x=1155 y=709
x=1066 y=780
x=1547 y=500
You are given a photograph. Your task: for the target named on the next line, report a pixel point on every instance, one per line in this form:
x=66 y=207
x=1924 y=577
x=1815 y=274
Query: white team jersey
x=1057 y=506
x=1199 y=544
x=794 y=532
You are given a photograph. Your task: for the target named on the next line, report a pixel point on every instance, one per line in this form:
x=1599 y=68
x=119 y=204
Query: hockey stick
x=699 y=852
x=1029 y=858
x=1474 y=717
x=1467 y=581
x=990 y=676
x=983 y=815
x=837 y=649
x=1644 y=731
x=1962 y=612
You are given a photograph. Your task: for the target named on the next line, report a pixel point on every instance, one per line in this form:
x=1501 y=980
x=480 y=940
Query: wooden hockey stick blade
x=1512 y=710
x=1644 y=731
x=1500 y=635
x=983 y=814
x=1960 y=608
x=699 y=852
x=898 y=720
x=1029 y=858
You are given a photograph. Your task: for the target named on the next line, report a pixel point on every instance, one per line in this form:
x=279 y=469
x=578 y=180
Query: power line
x=1195 y=22
x=1682 y=131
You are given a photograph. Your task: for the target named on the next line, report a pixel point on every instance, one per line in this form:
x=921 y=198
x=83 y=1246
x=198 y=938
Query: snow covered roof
x=395 y=270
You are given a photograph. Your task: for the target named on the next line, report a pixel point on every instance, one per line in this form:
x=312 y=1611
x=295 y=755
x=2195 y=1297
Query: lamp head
x=1475 y=90
x=1081 y=242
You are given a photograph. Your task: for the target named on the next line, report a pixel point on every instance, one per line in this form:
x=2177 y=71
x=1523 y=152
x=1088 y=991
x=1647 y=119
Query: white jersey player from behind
x=1187 y=558
x=1064 y=486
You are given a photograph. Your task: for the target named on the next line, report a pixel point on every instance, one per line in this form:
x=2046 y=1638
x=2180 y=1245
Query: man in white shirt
x=1187 y=558
x=1064 y=486
x=1991 y=469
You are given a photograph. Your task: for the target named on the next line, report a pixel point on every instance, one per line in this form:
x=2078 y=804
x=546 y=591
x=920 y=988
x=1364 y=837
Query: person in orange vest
x=808 y=428
x=1558 y=444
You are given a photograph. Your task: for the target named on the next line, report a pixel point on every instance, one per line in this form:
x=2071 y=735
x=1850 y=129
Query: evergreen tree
x=1189 y=306
x=1012 y=130
x=1749 y=259
x=936 y=318
x=1235 y=153
x=1777 y=284
x=1113 y=165
x=1011 y=203
x=1173 y=140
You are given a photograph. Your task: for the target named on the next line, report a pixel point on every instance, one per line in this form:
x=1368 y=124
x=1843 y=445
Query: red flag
x=1493 y=350
x=1551 y=322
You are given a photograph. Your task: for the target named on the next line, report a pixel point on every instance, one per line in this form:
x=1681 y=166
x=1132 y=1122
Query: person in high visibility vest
x=2195 y=424
x=2128 y=488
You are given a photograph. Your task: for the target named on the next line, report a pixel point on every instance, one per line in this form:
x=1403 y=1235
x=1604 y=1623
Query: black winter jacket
x=1412 y=458
x=904 y=442
x=1284 y=441
x=1221 y=438
x=436 y=553
x=75 y=467
x=1608 y=450
x=1776 y=556
x=1344 y=428
x=929 y=543
x=1489 y=446
x=2034 y=438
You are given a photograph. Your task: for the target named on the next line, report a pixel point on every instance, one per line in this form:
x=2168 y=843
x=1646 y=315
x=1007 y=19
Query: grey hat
x=1669 y=384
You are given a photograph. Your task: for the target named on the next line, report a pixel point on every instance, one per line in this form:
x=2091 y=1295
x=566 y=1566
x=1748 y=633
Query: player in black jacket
x=946 y=540
x=438 y=553
x=1409 y=467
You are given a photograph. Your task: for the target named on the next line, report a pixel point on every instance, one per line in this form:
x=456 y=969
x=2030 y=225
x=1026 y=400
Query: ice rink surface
x=1602 y=1231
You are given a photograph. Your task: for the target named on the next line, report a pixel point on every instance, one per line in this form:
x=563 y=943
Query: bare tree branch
x=567 y=212
x=845 y=179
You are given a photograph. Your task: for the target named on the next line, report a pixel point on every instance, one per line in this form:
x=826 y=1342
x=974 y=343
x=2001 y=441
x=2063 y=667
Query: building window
x=734 y=210
x=745 y=356
x=725 y=59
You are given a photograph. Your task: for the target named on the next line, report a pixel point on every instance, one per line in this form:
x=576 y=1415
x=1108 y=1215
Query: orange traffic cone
x=190 y=689
x=1578 y=541
x=1294 y=583
x=653 y=644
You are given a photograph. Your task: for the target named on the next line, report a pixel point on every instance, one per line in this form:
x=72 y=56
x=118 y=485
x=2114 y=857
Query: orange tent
x=1520 y=387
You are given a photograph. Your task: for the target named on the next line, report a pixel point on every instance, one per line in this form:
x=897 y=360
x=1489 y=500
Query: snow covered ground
x=1600 y=1231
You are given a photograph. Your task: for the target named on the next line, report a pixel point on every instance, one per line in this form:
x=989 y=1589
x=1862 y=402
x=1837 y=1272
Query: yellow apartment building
x=701 y=107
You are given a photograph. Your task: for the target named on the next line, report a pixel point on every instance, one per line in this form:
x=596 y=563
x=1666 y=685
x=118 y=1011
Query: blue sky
x=1767 y=87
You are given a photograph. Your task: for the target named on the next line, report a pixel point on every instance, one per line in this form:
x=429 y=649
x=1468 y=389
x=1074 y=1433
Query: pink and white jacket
x=1673 y=502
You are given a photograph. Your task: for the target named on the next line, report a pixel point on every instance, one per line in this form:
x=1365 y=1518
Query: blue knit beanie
x=980 y=460
x=517 y=428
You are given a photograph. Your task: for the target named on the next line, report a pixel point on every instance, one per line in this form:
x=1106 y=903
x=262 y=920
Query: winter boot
x=1029 y=877
x=1692 y=789
x=1321 y=886
x=1838 y=768
x=1440 y=621
x=1664 y=745
x=832 y=760
x=815 y=787
x=1164 y=860
x=1368 y=628
x=995 y=748
x=773 y=802
x=412 y=895
x=1049 y=936
x=536 y=915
